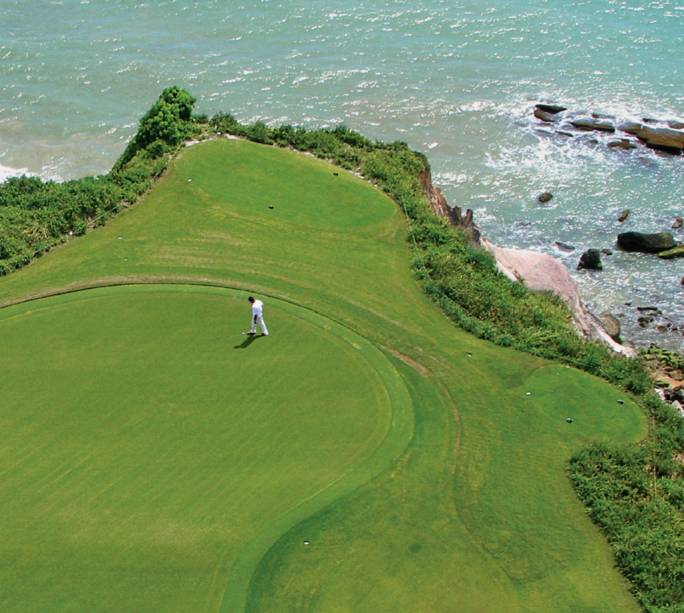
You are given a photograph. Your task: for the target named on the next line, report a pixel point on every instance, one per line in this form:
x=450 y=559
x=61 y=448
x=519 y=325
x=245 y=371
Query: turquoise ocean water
x=455 y=79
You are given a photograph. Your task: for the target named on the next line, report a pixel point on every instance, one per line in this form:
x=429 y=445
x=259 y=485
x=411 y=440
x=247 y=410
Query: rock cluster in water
x=665 y=135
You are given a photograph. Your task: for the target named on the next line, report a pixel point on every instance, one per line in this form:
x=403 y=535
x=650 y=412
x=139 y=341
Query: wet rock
x=564 y=246
x=645 y=243
x=621 y=143
x=607 y=251
x=676 y=124
x=676 y=252
x=544 y=197
x=645 y=309
x=545 y=115
x=645 y=320
x=593 y=123
x=590 y=260
x=677 y=223
x=624 y=215
x=612 y=326
x=667 y=139
x=631 y=127
x=550 y=108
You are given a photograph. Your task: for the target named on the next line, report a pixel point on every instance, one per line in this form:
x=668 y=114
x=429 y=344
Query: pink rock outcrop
x=542 y=272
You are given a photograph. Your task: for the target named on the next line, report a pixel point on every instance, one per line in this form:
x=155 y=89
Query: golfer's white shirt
x=257 y=308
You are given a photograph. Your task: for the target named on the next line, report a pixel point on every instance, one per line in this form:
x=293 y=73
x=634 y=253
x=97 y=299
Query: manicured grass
x=146 y=445
x=466 y=507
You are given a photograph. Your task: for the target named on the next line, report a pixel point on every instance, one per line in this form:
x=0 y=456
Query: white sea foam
x=7 y=171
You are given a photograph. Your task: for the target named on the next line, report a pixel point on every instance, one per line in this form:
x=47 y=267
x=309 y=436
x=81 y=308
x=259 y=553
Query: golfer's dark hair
x=251 y=298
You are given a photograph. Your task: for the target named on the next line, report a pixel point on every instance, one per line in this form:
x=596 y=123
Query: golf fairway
x=366 y=456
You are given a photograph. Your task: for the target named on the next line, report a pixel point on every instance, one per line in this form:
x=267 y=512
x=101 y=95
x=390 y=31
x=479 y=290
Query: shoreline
x=538 y=271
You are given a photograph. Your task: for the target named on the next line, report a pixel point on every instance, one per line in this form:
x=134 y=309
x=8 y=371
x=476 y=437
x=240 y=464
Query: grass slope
x=476 y=513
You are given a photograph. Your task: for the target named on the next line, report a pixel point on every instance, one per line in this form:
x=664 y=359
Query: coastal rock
x=441 y=208
x=624 y=215
x=538 y=271
x=541 y=272
x=564 y=246
x=652 y=309
x=590 y=260
x=621 y=143
x=545 y=115
x=668 y=139
x=676 y=252
x=550 y=108
x=544 y=197
x=611 y=325
x=645 y=243
x=631 y=127
x=593 y=123
x=677 y=223
x=676 y=124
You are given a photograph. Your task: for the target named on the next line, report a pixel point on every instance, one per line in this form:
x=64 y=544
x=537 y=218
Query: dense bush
x=166 y=125
x=36 y=215
x=641 y=517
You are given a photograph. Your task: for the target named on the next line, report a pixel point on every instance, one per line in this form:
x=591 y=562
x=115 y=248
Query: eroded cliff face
x=538 y=271
x=441 y=207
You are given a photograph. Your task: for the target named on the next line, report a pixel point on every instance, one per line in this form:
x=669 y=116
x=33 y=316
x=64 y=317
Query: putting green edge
x=398 y=435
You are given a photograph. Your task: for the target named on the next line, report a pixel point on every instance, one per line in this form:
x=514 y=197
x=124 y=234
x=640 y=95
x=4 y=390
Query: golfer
x=257 y=317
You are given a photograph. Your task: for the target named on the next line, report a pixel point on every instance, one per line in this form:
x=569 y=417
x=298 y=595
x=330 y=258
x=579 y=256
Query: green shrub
x=168 y=122
x=35 y=215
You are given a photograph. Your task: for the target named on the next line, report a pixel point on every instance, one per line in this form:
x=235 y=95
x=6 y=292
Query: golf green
x=153 y=441
x=367 y=456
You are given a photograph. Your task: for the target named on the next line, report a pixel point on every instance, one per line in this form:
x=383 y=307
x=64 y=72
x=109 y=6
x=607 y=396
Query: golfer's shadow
x=247 y=342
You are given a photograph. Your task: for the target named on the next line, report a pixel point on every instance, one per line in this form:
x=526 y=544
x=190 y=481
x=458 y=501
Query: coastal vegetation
x=632 y=490
x=36 y=215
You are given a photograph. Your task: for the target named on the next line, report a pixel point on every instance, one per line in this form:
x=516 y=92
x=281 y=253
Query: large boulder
x=542 y=272
x=658 y=137
x=645 y=243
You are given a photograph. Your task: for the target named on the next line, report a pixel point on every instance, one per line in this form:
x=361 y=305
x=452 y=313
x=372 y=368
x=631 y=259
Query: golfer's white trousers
x=262 y=325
